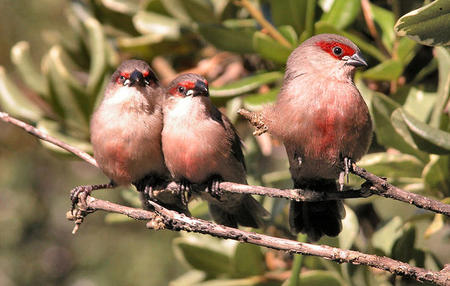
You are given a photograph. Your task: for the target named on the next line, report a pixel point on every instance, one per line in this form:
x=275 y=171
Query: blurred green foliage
x=406 y=89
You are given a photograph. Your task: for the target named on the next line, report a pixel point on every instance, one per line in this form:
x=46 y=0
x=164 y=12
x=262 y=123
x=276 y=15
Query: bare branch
x=163 y=218
x=384 y=189
x=290 y=194
x=44 y=136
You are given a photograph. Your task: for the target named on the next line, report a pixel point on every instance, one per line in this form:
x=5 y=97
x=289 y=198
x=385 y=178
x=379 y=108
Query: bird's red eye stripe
x=187 y=84
x=125 y=74
x=145 y=73
x=328 y=47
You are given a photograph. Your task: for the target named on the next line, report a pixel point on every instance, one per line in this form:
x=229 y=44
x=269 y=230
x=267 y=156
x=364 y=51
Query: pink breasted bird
x=201 y=146
x=126 y=128
x=324 y=124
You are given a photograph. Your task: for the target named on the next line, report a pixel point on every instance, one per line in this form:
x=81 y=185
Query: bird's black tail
x=240 y=210
x=317 y=218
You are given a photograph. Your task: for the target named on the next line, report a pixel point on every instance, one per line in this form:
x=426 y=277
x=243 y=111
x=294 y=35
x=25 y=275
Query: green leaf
x=65 y=101
x=189 y=278
x=428 y=25
x=204 y=253
x=438 y=118
x=420 y=103
x=289 y=12
x=342 y=13
x=122 y=6
x=112 y=218
x=97 y=47
x=138 y=45
x=157 y=24
x=387 y=70
x=20 y=56
x=385 y=237
x=406 y=50
x=289 y=34
x=201 y=11
x=177 y=10
x=248 y=260
x=131 y=196
x=14 y=102
x=382 y=108
x=404 y=245
x=350 y=229
x=54 y=129
x=270 y=49
x=250 y=281
x=437 y=176
x=238 y=40
x=245 y=85
x=426 y=137
x=319 y=278
x=392 y=165
x=435 y=226
x=256 y=102
x=384 y=19
x=365 y=46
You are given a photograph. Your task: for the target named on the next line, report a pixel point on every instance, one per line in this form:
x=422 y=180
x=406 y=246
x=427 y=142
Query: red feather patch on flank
x=145 y=73
x=328 y=47
x=326 y=127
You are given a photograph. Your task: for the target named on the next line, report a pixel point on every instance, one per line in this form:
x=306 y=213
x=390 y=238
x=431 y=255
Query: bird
x=126 y=130
x=201 y=146
x=324 y=124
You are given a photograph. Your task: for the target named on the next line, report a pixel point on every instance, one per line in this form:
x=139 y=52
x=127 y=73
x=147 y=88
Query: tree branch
x=162 y=218
x=44 y=136
x=382 y=187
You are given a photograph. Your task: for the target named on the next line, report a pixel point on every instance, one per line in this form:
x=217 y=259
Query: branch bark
x=44 y=136
x=162 y=218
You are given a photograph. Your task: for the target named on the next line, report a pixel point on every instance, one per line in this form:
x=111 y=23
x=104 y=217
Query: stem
x=259 y=17
x=297 y=264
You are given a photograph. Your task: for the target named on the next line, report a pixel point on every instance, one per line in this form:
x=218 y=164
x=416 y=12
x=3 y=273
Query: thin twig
x=163 y=218
x=259 y=17
x=44 y=136
x=384 y=189
x=368 y=17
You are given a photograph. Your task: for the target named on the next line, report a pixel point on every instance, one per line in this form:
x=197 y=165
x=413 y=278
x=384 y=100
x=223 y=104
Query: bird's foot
x=80 y=193
x=184 y=192
x=214 y=187
x=344 y=174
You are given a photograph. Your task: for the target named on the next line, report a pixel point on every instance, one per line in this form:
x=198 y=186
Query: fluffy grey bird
x=200 y=145
x=324 y=124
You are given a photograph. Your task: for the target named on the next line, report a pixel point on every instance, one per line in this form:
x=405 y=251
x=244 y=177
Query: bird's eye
x=181 y=89
x=337 y=51
x=122 y=77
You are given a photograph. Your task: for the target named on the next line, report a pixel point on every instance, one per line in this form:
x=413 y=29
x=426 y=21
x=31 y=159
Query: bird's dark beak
x=201 y=89
x=136 y=77
x=356 y=60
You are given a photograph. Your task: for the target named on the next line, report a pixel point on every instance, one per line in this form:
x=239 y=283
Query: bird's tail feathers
x=249 y=213
x=317 y=218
